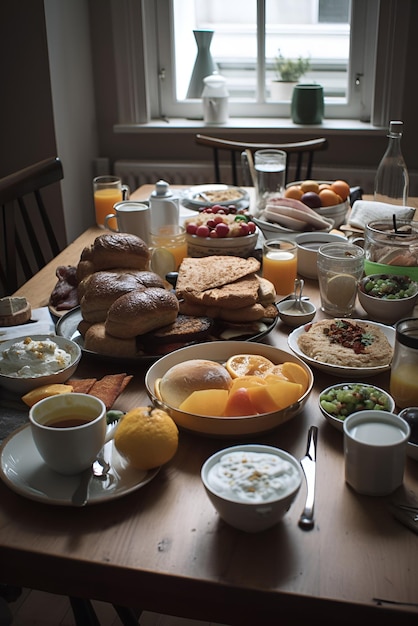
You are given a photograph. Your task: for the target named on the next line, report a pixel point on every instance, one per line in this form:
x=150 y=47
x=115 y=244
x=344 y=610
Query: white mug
x=375 y=451
x=131 y=217
x=69 y=430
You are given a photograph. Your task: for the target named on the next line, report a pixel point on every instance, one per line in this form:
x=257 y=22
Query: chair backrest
x=300 y=155
x=28 y=240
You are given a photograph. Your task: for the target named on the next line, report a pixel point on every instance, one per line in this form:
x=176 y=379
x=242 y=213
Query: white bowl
x=307 y=245
x=381 y=309
x=292 y=317
x=226 y=426
x=337 y=421
x=250 y=516
x=338 y=213
x=275 y=231
x=229 y=246
x=24 y=385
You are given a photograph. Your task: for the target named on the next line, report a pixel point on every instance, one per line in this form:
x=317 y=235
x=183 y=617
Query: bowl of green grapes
x=339 y=401
x=387 y=297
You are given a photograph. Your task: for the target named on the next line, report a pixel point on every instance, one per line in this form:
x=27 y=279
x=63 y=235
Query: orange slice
x=248 y=365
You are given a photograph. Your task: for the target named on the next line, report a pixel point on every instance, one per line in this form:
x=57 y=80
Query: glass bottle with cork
x=392 y=181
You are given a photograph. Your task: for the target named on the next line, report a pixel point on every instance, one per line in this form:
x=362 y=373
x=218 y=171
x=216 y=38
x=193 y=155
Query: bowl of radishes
x=221 y=230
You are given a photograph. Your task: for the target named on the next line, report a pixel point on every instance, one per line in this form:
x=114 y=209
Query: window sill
x=256 y=125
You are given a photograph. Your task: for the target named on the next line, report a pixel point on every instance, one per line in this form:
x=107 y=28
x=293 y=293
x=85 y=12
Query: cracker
x=108 y=388
x=82 y=385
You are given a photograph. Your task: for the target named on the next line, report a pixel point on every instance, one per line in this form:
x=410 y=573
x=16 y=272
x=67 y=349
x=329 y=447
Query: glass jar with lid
x=404 y=369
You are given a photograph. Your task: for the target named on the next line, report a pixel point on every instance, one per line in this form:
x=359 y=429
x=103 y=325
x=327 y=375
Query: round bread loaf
x=193 y=375
x=139 y=312
x=101 y=289
x=97 y=340
x=112 y=250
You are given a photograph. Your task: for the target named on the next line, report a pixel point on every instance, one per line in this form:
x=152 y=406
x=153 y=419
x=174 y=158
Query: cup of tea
x=68 y=430
x=131 y=217
x=108 y=191
x=168 y=248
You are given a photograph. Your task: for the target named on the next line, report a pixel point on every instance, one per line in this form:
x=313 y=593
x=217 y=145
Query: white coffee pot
x=164 y=205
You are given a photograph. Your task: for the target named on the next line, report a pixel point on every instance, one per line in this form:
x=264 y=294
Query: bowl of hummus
x=31 y=361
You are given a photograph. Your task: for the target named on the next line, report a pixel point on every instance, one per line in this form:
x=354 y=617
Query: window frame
x=142 y=51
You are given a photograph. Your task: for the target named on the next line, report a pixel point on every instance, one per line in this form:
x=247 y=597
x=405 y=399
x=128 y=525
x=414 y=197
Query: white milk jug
x=164 y=205
x=215 y=100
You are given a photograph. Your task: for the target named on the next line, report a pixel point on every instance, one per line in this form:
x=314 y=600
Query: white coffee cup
x=375 y=451
x=68 y=430
x=131 y=217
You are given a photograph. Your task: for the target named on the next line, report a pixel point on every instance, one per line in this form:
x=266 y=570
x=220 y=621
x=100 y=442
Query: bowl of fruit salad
x=221 y=230
x=229 y=388
x=387 y=297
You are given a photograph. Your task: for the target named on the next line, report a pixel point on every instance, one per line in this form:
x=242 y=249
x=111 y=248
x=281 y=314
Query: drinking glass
x=108 y=190
x=270 y=168
x=340 y=267
x=168 y=249
x=280 y=264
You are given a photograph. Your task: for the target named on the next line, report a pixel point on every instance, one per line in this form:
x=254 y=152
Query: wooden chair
x=300 y=155
x=27 y=237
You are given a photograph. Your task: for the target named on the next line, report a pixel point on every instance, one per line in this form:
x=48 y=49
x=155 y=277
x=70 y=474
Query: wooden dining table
x=164 y=548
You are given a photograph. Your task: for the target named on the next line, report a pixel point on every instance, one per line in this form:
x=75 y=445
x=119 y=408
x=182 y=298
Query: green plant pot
x=307 y=104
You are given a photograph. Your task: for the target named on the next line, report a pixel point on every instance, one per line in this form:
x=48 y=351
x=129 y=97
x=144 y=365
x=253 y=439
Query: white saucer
x=23 y=470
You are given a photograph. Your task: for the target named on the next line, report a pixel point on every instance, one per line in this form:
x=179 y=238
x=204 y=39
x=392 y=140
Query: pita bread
x=243 y=292
x=200 y=274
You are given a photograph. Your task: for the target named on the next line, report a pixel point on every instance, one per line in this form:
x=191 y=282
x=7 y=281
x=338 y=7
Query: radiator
x=136 y=173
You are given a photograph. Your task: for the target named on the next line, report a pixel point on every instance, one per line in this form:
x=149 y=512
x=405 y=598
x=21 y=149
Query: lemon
x=340 y=290
x=162 y=262
x=248 y=365
x=45 y=391
x=146 y=437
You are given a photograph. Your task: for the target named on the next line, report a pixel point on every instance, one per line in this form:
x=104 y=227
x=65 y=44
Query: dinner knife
x=308 y=462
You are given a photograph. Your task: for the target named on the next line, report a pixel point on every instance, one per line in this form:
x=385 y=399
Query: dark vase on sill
x=307 y=104
x=204 y=64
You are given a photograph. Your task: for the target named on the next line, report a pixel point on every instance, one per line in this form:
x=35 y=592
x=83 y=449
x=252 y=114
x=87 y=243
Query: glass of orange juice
x=108 y=190
x=280 y=264
x=168 y=249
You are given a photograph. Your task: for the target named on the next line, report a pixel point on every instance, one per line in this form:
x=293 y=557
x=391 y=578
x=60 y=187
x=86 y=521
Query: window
x=351 y=46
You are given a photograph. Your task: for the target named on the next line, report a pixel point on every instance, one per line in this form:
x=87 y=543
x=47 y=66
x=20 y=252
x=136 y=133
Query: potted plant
x=288 y=72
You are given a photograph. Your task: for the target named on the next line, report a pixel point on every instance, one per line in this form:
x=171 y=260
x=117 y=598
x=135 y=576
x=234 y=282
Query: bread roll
x=101 y=289
x=112 y=250
x=193 y=375
x=139 y=312
x=97 y=340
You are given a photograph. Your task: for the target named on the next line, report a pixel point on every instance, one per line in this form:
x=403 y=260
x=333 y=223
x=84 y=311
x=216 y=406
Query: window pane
x=316 y=29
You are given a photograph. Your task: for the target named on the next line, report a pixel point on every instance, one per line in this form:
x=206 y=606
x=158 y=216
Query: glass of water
x=340 y=267
x=270 y=167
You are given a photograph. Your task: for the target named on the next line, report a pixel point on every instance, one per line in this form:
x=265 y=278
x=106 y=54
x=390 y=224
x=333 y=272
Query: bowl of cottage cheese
x=251 y=486
x=34 y=360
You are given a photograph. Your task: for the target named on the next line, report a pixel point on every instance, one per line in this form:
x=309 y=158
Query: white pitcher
x=164 y=205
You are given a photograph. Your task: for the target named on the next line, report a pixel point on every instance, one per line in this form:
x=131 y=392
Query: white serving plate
x=24 y=471
x=341 y=370
x=191 y=198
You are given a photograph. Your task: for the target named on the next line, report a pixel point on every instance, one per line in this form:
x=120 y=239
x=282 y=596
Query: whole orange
x=294 y=192
x=341 y=188
x=328 y=197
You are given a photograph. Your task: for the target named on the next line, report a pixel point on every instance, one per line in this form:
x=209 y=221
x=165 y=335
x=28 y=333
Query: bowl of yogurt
x=251 y=486
x=31 y=361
